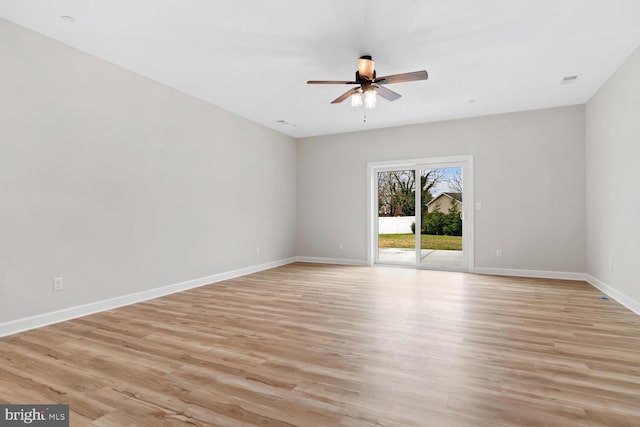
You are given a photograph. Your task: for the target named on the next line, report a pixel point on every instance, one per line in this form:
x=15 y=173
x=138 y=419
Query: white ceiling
x=253 y=57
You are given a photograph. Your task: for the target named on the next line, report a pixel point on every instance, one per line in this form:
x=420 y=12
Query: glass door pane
x=441 y=210
x=396 y=216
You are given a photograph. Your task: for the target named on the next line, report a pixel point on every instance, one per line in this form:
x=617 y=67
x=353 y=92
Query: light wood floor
x=317 y=345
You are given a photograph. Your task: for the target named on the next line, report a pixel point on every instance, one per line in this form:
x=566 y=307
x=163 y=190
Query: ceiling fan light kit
x=370 y=86
x=366 y=99
x=370 y=99
x=356 y=99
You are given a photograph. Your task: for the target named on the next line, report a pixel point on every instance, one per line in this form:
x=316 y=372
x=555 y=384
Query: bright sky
x=443 y=186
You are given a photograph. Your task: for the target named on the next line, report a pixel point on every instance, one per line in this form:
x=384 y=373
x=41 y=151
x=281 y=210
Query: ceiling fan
x=369 y=84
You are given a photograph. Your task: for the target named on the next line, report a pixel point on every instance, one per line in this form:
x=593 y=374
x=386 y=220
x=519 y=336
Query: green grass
x=427 y=241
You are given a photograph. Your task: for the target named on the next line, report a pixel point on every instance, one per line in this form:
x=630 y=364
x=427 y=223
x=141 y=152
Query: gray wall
x=121 y=184
x=613 y=178
x=529 y=177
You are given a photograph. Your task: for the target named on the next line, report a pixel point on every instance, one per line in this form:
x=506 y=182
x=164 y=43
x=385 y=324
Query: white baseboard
x=340 y=261
x=50 y=318
x=542 y=274
x=623 y=299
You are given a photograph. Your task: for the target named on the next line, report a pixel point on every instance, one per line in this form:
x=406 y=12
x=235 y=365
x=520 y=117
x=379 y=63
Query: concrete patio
x=428 y=257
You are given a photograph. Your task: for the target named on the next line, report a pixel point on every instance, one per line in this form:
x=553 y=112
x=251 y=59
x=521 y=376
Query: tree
x=453 y=222
x=434 y=222
x=405 y=195
x=429 y=179
x=396 y=191
x=385 y=191
x=455 y=182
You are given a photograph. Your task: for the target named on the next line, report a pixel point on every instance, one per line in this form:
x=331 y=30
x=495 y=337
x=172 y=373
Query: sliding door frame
x=416 y=164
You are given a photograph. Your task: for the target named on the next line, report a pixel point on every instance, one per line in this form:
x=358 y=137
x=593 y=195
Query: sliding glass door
x=419 y=214
x=396 y=216
x=441 y=210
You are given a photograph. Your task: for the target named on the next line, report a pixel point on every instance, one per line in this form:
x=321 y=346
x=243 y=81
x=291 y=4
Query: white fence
x=395 y=224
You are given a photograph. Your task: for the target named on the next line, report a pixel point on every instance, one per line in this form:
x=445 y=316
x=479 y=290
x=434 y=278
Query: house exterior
x=444 y=201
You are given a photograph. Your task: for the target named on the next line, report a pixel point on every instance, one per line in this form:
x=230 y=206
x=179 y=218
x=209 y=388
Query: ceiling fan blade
x=387 y=94
x=331 y=82
x=401 y=78
x=345 y=95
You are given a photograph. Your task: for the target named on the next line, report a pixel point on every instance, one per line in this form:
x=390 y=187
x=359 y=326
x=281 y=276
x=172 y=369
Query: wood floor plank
x=321 y=345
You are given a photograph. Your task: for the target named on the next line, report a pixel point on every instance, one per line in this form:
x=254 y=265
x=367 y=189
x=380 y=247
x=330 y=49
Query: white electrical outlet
x=257 y=251
x=340 y=246
x=58 y=284
x=498 y=253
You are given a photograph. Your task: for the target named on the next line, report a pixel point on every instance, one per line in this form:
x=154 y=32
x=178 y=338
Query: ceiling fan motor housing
x=366 y=68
